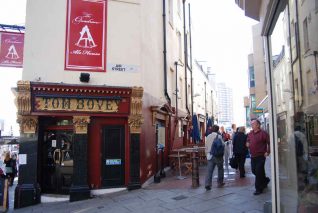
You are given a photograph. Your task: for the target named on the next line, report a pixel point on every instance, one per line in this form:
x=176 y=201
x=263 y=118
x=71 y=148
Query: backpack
x=217 y=149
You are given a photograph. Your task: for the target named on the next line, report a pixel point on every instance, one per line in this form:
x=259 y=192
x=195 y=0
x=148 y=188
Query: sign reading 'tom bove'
x=76 y=104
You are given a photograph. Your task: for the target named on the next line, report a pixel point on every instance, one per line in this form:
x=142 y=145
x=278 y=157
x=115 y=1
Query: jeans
x=215 y=161
x=258 y=164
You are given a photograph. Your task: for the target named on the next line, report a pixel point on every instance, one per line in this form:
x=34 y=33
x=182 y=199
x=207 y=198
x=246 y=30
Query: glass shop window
x=296 y=107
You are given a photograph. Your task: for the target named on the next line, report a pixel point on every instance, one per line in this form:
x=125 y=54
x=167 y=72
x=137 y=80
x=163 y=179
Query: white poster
x=53 y=143
x=22 y=159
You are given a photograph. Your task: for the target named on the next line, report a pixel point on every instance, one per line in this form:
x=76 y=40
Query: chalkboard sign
x=3 y=193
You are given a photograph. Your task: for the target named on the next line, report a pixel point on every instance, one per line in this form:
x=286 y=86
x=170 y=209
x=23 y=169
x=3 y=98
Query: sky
x=222 y=36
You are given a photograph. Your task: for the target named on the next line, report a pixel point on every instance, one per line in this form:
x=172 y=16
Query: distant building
x=225 y=104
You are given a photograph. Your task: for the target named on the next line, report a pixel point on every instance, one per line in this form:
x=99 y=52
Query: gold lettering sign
x=76 y=104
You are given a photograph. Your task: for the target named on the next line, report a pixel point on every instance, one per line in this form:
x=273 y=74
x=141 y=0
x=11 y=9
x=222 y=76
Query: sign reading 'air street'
x=76 y=104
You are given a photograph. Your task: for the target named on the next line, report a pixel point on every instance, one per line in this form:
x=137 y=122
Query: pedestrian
x=214 y=149
x=9 y=168
x=258 y=143
x=14 y=167
x=234 y=130
x=226 y=138
x=227 y=154
x=240 y=149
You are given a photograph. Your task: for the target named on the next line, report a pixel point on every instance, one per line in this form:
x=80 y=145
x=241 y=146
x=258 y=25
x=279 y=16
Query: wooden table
x=178 y=156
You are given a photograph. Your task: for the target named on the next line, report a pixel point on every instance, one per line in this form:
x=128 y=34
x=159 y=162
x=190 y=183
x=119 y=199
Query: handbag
x=233 y=162
x=8 y=169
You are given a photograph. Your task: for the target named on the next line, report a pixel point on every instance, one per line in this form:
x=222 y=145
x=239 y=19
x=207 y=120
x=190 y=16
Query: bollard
x=195 y=170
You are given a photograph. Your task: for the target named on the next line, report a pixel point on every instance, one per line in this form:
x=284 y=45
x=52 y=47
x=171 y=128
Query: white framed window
x=170 y=12
x=179 y=7
x=180 y=45
x=305 y=34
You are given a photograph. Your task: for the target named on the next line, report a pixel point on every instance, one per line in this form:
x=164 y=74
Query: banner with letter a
x=11 y=49
x=85 y=47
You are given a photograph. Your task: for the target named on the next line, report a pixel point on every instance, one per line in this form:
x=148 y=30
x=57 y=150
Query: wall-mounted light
x=196 y=95
x=84 y=77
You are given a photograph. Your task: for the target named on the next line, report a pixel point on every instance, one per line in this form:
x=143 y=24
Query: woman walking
x=9 y=168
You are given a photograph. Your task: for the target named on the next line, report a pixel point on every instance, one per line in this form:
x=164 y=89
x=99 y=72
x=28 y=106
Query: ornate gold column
x=81 y=124
x=28 y=124
x=27 y=192
x=79 y=189
x=23 y=97
x=135 y=121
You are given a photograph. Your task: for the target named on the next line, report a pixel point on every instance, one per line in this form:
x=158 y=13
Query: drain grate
x=180 y=197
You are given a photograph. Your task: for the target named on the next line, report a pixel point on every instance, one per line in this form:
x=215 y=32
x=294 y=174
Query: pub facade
x=97 y=96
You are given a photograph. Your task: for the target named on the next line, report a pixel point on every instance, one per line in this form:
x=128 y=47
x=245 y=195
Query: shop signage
x=11 y=51
x=86 y=35
x=111 y=162
x=110 y=104
x=122 y=68
x=258 y=110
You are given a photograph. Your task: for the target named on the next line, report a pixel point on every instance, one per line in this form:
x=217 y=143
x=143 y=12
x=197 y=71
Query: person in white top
x=213 y=161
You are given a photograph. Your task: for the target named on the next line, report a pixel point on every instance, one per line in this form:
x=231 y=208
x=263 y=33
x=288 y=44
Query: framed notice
x=161 y=135
x=11 y=49
x=85 y=47
x=22 y=159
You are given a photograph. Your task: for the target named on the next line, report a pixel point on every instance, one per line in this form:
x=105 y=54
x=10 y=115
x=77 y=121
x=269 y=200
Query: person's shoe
x=208 y=188
x=242 y=176
x=267 y=180
x=257 y=192
x=221 y=184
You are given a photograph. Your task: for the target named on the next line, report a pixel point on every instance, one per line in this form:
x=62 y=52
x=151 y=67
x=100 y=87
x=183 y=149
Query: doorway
x=113 y=156
x=57 y=161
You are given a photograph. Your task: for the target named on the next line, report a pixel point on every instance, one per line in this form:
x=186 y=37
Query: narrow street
x=173 y=195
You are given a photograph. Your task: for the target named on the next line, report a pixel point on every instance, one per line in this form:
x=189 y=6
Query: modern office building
x=225 y=104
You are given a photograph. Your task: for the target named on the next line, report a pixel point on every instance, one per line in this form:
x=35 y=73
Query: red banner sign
x=86 y=35
x=11 y=50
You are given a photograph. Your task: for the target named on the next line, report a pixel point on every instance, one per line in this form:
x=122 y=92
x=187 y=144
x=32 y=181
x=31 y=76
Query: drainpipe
x=190 y=33
x=212 y=104
x=165 y=51
x=316 y=68
x=176 y=64
x=291 y=63
x=205 y=98
x=185 y=55
x=298 y=53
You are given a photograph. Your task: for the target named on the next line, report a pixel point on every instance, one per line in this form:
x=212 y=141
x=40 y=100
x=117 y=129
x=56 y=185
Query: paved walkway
x=172 y=195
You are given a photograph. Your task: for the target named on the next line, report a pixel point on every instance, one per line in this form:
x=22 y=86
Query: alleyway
x=172 y=195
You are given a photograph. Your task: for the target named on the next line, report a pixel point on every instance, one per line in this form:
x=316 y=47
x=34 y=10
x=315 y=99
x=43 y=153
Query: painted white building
x=145 y=92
